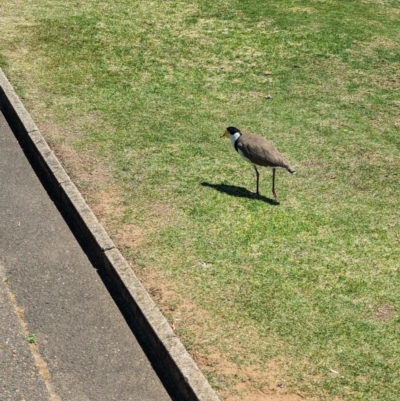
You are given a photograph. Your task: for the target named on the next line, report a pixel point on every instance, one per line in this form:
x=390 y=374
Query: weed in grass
x=31 y=338
x=3 y=61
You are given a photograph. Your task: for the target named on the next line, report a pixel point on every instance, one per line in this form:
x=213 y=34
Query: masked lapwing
x=259 y=152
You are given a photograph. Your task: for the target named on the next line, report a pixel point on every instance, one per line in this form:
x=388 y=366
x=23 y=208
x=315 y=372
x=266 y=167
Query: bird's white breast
x=234 y=138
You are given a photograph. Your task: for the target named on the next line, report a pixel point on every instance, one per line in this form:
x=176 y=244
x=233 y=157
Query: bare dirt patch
x=95 y=182
x=235 y=380
x=384 y=313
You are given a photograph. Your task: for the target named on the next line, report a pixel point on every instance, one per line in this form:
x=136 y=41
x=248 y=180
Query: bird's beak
x=226 y=133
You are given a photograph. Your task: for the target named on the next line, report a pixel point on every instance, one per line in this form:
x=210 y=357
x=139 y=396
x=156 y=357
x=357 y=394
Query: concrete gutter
x=187 y=377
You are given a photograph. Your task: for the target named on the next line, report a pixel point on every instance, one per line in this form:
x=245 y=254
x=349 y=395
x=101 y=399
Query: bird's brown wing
x=261 y=151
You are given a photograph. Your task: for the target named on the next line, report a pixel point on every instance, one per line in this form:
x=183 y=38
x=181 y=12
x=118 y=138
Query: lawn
x=298 y=299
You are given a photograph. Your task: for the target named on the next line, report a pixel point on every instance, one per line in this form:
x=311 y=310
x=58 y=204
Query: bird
x=258 y=151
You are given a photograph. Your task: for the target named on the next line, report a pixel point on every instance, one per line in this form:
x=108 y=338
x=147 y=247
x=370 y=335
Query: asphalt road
x=85 y=346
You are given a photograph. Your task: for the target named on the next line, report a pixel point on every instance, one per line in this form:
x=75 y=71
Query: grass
x=147 y=88
x=31 y=338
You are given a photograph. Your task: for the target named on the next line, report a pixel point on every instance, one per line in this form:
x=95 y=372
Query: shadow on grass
x=239 y=192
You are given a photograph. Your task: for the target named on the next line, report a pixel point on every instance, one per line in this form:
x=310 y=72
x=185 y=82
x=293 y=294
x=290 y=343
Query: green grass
x=31 y=338
x=149 y=87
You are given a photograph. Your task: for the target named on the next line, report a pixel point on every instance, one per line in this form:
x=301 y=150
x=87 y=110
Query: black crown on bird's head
x=233 y=130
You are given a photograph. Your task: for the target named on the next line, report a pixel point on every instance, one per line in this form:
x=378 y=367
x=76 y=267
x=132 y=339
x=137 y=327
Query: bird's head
x=230 y=131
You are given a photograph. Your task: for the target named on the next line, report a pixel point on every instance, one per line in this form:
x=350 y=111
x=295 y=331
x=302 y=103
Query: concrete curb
x=185 y=374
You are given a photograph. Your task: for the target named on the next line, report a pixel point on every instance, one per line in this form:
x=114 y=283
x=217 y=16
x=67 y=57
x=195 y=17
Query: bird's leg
x=273 y=183
x=258 y=178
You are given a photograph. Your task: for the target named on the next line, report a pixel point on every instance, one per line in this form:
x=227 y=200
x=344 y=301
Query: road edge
x=187 y=377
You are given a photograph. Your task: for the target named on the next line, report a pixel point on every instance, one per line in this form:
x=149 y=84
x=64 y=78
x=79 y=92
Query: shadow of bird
x=239 y=192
